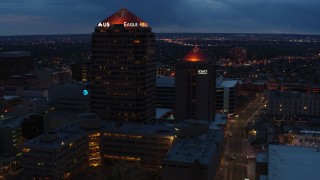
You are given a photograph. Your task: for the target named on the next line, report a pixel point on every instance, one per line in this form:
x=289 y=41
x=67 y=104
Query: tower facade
x=195 y=86
x=123 y=72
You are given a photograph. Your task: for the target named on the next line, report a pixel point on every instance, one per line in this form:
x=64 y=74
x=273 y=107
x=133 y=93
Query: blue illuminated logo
x=85 y=92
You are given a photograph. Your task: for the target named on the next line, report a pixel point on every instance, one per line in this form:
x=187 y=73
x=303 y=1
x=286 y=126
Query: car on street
x=232 y=157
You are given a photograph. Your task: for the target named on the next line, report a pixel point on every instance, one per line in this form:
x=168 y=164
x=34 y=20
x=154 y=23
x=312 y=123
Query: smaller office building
x=75 y=96
x=226 y=95
x=196 y=158
x=293 y=162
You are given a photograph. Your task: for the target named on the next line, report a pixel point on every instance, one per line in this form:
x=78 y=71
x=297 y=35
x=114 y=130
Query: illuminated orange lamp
x=195 y=55
x=125 y=17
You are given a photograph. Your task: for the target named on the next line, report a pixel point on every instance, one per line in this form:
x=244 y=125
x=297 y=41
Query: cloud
x=288 y=16
x=21 y=19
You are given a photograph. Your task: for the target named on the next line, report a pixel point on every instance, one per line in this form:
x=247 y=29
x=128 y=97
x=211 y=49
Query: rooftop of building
x=201 y=148
x=15 y=54
x=165 y=81
x=85 y=122
x=220 y=120
x=262 y=158
x=22 y=76
x=137 y=129
x=63 y=114
x=290 y=94
x=12 y=120
x=71 y=84
x=35 y=99
x=293 y=162
x=68 y=133
x=59 y=137
x=195 y=55
x=7 y=97
x=263 y=177
x=229 y=83
x=160 y=112
x=125 y=18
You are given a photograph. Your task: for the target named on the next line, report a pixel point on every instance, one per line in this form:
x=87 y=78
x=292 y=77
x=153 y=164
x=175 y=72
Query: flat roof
x=62 y=115
x=11 y=120
x=137 y=129
x=220 y=119
x=263 y=177
x=59 y=137
x=293 y=162
x=165 y=81
x=201 y=148
x=15 y=54
x=73 y=131
x=263 y=158
x=161 y=112
x=291 y=94
x=9 y=97
x=229 y=83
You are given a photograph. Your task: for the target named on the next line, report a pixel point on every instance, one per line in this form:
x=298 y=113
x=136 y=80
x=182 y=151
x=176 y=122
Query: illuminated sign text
x=125 y=24
x=202 y=71
x=104 y=24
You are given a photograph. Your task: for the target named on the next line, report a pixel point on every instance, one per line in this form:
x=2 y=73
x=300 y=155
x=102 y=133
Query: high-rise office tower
x=195 y=86
x=123 y=72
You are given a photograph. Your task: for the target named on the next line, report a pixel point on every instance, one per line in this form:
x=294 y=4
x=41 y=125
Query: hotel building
x=195 y=86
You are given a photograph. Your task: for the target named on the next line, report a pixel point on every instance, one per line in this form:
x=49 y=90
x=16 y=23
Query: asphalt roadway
x=235 y=162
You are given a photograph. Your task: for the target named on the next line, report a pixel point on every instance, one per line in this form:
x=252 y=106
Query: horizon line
x=257 y=33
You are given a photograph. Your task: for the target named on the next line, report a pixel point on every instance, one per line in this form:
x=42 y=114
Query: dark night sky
x=29 y=17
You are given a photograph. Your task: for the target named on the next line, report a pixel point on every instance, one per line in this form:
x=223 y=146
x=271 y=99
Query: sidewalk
x=251 y=168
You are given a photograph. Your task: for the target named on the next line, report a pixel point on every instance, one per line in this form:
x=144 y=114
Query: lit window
x=26 y=150
x=136 y=41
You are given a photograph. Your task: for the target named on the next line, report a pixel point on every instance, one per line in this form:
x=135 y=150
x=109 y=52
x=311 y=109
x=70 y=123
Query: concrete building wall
x=10 y=140
x=293 y=104
x=52 y=162
x=70 y=96
x=149 y=150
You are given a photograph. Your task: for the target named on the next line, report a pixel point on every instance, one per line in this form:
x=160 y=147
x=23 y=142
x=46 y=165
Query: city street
x=235 y=163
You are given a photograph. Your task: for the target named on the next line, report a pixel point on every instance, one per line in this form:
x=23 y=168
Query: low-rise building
x=196 y=158
x=226 y=95
x=293 y=162
x=293 y=104
x=57 y=154
x=147 y=144
x=10 y=140
x=165 y=92
x=64 y=152
x=75 y=96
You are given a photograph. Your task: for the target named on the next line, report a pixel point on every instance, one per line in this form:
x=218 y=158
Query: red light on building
x=125 y=17
x=195 y=55
x=316 y=90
